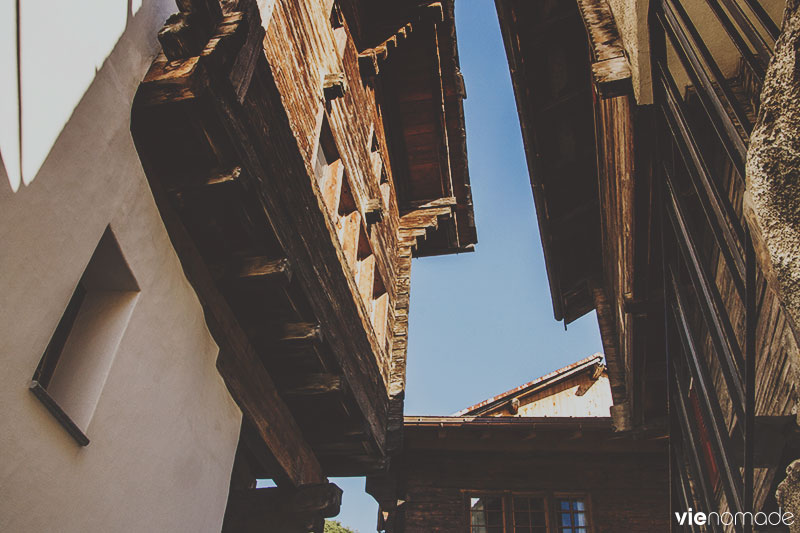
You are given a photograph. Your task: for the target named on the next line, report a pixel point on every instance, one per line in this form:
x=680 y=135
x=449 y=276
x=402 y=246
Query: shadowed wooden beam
x=417 y=223
x=334 y=86
x=373 y=211
x=368 y=64
x=608 y=335
x=299 y=334
x=254 y=124
x=310 y=385
x=433 y=12
x=212 y=183
x=262 y=269
x=610 y=67
x=248 y=382
x=281 y=509
x=450 y=201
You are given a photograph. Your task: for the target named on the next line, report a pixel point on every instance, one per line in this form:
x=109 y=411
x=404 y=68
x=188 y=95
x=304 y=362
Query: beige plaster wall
x=631 y=19
x=164 y=431
x=583 y=397
x=575 y=397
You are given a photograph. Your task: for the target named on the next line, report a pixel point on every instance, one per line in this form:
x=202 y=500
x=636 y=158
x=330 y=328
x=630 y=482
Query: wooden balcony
x=299 y=251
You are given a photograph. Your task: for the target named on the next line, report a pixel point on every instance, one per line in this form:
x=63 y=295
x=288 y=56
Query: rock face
x=788 y=494
x=772 y=199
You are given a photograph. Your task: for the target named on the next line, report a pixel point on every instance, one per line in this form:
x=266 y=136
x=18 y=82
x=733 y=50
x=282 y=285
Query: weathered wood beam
x=279 y=509
x=373 y=211
x=262 y=269
x=610 y=67
x=324 y=498
x=609 y=337
x=334 y=85
x=238 y=363
x=211 y=182
x=275 y=172
x=345 y=448
x=295 y=334
x=247 y=380
x=368 y=64
x=433 y=12
x=448 y=201
x=311 y=385
x=179 y=39
x=418 y=223
x=185 y=34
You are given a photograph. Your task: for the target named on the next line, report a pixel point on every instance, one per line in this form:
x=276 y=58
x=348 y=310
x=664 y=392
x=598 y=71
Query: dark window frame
x=550 y=501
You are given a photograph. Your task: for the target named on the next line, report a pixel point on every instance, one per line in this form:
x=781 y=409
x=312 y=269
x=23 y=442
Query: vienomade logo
x=697 y=518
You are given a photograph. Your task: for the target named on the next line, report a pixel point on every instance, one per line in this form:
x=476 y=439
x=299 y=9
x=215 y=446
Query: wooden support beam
x=334 y=86
x=254 y=124
x=178 y=39
x=433 y=12
x=280 y=509
x=448 y=201
x=373 y=211
x=297 y=334
x=263 y=269
x=216 y=180
x=345 y=448
x=368 y=64
x=424 y=217
x=608 y=334
x=597 y=371
x=335 y=430
x=310 y=385
x=610 y=67
x=185 y=34
x=248 y=382
x=323 y=498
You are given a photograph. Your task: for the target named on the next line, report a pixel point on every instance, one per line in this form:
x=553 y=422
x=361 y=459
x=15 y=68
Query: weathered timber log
x=263 y=269
x=280 y=509
x=298 y=334
x=185 y=34
x=249 y=383
x=278 y=178
x=311 y=385
x=433 y=12
x=436 y=202
x=373 y=211
x=179 y=39
x=368 y=64
x=334 y=86
x=324 y=498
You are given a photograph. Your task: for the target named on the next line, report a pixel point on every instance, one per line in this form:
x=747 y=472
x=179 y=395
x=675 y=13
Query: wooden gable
x=577 y=390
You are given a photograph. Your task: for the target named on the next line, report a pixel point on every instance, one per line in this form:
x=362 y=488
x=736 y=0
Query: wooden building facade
x=535 y=459
x=646 y=216
x=299 y=165
x=259 y=175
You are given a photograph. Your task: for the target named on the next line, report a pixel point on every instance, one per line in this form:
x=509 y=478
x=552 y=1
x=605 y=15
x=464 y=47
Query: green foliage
x=334 y=526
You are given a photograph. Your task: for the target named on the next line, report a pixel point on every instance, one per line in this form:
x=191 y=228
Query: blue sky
x=482 y=323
